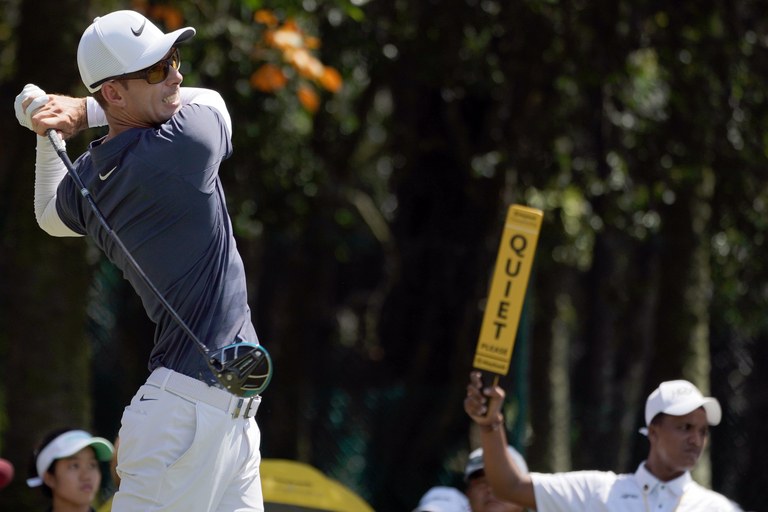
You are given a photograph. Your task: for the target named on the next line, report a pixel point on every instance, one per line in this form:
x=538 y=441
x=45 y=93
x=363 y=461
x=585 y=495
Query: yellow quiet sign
x=507 y=293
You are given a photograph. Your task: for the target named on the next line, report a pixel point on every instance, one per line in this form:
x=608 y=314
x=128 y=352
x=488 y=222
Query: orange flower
x=308 y=98
x=290 y=24
x=311 y=42
x=266 y=17
x=268 y=78
x=307 y=65
x=288 y=41
x=269 y=37
x=170 y=16
x=285 y=38
x=139 y=5
x=330 y=79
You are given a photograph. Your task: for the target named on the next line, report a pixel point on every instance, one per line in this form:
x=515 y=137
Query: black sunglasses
x=154 y=74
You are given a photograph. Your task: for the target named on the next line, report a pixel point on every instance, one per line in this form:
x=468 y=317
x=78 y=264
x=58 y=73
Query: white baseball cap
x=475 y=462
x=66 y=445
x=443 y=499
x=678 y=398
x=122 y=42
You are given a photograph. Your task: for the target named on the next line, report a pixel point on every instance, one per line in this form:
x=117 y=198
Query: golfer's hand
x=65 y=114
x=28 y=101
x=483 y=405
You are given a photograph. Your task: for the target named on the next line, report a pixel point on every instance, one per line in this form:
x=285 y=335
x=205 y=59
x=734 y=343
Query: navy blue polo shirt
x=160 y=191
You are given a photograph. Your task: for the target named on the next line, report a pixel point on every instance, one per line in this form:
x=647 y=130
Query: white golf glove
x=39 y=99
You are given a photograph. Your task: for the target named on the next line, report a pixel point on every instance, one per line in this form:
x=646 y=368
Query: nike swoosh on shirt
x=103 y=177
x=145 y=399
x=137 y=33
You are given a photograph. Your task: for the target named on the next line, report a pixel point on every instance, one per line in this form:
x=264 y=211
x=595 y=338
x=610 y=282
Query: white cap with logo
x=443 y=499
x=66 y=445
x=122 y=42
x=678 y=398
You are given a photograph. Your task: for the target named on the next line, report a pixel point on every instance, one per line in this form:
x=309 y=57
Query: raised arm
x=483 y=405
x=69 y=116
x=38 y=112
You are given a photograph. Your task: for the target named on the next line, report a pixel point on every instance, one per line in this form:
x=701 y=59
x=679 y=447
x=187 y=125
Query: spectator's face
x=75 y=480
x=482 y=499
x=677 y=441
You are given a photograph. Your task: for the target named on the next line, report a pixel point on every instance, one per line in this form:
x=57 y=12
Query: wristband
x=94 y=113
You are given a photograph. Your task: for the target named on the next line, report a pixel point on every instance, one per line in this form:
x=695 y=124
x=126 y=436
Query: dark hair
x=99 y=97
x=657 y=419
x=32 y=471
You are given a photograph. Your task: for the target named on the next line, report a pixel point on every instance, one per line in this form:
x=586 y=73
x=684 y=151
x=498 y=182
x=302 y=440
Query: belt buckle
x=247 y=414
x=239 y=406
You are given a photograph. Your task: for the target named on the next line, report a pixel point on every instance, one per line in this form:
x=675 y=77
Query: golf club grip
x=58 y=145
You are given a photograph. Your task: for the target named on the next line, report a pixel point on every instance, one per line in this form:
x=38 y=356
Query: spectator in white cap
x=677 y=418
x=66 y=466
x=443 y=499
x=479 y=492
x=186 y=442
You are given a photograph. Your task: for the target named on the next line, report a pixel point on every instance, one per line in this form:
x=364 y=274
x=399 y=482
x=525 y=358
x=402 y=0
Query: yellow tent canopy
x=291 y=486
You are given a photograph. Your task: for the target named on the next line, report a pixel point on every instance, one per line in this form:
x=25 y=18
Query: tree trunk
x=46 y=369
x=551 y=410
x=682 y=348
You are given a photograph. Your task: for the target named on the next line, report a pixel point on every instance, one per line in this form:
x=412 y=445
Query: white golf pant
x=188 y=447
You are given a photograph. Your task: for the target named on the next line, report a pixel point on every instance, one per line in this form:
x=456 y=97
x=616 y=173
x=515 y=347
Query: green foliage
x=369 y=226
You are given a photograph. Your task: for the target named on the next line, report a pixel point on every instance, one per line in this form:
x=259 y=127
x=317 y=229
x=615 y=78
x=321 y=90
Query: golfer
x=185 y=442
x=677 y=420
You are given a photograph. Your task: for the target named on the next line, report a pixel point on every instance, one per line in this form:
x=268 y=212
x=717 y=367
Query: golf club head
x=244 y=369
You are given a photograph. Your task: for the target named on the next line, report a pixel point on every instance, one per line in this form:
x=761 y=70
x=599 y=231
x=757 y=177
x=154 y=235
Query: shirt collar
x=108 y=155
x=648 y=482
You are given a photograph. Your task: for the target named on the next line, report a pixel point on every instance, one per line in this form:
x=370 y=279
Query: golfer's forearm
x=49 y=171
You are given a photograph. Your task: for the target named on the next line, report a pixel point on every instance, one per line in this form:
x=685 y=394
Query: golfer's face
x=679 y=440
x=154 y=103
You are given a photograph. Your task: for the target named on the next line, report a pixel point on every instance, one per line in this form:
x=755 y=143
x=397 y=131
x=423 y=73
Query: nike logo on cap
x=137 y=33
x=103 y=177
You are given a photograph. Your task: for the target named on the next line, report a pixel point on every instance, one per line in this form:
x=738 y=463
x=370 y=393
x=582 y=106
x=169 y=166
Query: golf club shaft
x=53 y=136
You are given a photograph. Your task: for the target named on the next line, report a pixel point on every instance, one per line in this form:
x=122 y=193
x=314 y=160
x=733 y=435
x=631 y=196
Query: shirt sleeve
x=210 y=98
x=574 y=491
x=49 y=171
x=193 y=143
x=189 y=95
x=94 y=113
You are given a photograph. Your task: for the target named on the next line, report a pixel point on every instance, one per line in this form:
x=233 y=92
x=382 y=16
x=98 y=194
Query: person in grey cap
x=186 y=443
x=481 y=496
x=677 y=421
